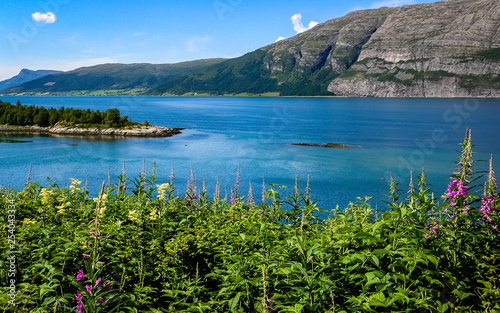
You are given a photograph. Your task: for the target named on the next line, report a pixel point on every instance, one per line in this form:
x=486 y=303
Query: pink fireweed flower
x=108 y=287
x=101 y=301
x=79 y=306
x=79 y=275
x=78 y=295
x=89 y=288
x=97 y=282
x=466 y=211
x=487 y=207
x=258 y=214
x=426 y=235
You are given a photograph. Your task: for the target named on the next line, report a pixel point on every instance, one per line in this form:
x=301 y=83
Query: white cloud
x=312 y=24
x=47 y=18
x=195 y=44
x=280 y=38
x=298 y=26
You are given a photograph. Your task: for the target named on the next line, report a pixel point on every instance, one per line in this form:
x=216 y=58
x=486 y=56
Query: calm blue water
x=389 y=135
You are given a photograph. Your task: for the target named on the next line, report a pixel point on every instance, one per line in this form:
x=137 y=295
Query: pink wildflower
x=97 y=282
x=89 y=288
x=79 y=306
x=79 y=275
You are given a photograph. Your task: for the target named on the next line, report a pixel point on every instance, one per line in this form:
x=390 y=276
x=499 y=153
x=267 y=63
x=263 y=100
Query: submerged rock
x=325 y=145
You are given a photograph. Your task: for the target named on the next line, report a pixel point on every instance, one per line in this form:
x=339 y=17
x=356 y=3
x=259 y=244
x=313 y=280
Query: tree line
x=24 y=115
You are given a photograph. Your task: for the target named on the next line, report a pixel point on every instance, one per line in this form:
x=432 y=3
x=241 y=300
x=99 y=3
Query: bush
x=161 y=252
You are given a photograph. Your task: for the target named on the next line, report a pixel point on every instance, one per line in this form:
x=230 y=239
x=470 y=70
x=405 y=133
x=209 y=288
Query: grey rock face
x=442 y=49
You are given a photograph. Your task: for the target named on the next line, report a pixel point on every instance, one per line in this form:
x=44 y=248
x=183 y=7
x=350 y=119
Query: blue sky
x=67 y=34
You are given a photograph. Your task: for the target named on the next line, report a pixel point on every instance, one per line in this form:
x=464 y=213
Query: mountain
x=440 y=49
x=110 y=77
x=24 y=76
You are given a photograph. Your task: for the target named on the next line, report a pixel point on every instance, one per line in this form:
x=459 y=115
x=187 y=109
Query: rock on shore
x=141 y=131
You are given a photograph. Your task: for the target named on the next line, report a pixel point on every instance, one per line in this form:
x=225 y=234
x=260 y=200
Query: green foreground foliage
x=24 y=115
x=140 y=247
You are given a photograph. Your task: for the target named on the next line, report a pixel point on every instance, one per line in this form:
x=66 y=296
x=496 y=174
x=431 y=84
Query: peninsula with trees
x=69 y=121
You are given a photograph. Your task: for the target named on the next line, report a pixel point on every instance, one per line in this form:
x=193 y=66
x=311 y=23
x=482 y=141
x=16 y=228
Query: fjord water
x=386 y=135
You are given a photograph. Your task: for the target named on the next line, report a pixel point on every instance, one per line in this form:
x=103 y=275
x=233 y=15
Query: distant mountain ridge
x=111 y=77
x=25 y=76
x=439 y=49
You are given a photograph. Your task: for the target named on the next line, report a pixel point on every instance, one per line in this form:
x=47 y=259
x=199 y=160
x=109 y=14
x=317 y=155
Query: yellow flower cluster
x=46 y=195
x=28 y=222
x=162 y=191
x=74 y=184
x=102 y=207
x=153 y=215
x=62 y=207
x=133 y=215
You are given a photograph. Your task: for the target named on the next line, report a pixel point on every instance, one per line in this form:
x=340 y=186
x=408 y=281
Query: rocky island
x=139 y=131
x=76 y=122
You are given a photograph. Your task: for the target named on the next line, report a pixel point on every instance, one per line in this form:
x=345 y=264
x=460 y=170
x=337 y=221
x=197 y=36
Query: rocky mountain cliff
x=441 y=49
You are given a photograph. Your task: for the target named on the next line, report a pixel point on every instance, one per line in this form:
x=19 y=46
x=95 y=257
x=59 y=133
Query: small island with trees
x=70 y=121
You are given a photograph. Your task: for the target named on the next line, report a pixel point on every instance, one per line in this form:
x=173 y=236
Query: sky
x=68 y=34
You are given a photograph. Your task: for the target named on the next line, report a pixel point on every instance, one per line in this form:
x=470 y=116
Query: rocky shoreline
x=141 y=131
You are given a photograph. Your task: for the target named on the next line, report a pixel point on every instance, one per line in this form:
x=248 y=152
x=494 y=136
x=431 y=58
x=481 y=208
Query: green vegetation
x=23 y=115
x=140 y=247
x=391 y=74
x=492 y=54
x=471 y=82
